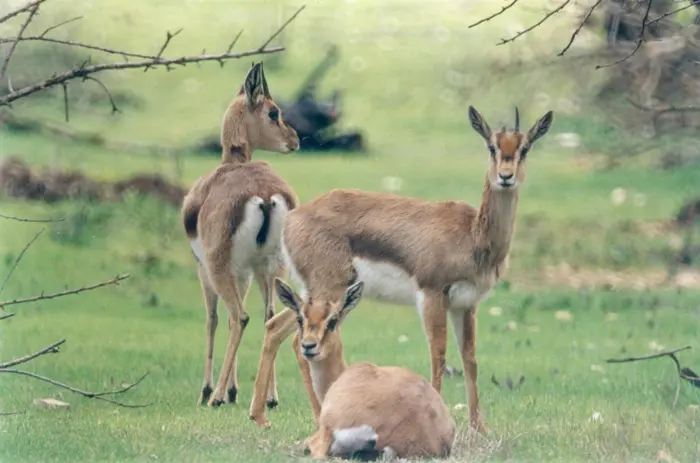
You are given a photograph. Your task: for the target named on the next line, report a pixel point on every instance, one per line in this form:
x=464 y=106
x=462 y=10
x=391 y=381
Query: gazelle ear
x=287 y=296
x=352 y=298
x=540 y=128
x=254 y=86
x=479 y=124
x=266 y=91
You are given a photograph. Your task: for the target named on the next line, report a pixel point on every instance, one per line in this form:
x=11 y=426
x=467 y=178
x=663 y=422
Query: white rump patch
x=350 y=440
x=464 y=295
x=386 y=282
x=244 y=245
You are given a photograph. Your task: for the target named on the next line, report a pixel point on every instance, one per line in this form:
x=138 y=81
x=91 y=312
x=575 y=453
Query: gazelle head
x=509 y=148
x=319 y=320
x=261 y=122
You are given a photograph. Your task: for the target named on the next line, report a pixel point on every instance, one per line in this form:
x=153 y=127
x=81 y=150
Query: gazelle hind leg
x=242 y=284
x=212 y=321
x=267 y=291
x=464 y=325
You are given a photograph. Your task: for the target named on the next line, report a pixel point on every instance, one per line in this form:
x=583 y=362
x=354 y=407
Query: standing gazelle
x=233 y=218
x=443 y=257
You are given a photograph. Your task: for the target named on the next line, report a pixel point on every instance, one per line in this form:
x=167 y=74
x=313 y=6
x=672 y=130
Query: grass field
x=396 y=55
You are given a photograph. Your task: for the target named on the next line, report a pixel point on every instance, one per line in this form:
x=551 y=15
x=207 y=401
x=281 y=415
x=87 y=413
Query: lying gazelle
x=233 y=218
x=444 y=257
x=366 y=410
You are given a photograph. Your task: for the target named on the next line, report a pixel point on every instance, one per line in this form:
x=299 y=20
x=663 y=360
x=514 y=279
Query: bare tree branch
x=281 y=28
x=19 y=258
x=72 y=43
x=113 y=281
x=115 y=109
x=672 y=12
x=235 y=40
x=21 y=10
x=21 y=219
x=52 y=349
x=579 y=27
x=538 y=23
x=672 y=355
x=6 y=62
x=488 y=18
x=6 y=316
x=56 y=26
x=87 y=394
x=640 y=39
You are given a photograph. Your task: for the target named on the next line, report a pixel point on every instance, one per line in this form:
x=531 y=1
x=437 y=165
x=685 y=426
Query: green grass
x=418 y=131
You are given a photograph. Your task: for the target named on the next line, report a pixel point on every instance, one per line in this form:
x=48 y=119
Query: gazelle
x=443 y=257
x=233 y=219
x=365 y=409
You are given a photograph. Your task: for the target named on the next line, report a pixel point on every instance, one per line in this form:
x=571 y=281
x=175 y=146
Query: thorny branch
x=41 y=297
x=683 y=373
x=84 y=71
x=646 y=22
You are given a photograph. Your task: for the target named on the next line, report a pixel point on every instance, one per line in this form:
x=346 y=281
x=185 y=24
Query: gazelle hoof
x=204 y=396
x=272 y=404
x=231 y=395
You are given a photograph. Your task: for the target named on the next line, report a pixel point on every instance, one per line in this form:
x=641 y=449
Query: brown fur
x=405 y=411
x=439 y=244
x=214 y=210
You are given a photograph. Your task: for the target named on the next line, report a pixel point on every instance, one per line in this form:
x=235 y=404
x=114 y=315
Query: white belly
x=463 y=294
x=386 y=282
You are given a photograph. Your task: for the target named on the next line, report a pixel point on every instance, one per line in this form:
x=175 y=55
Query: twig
x=87 y=70
x=580 y=26
x=22 y=219
x=113 y=281
x=281 y=28
x=233 y=43
x=546 y=17
x=21 y=10
x=672 y=355
x=488 y=18
x=672 y=12
x=640 y=39
x=52 y=349
x=6 y=316
x=64 y=87
x=6 y=62
x=115 y=109
x=54 y=27
x=71 y=43
x=19 y=258
x=168 y=37
x=87 y=394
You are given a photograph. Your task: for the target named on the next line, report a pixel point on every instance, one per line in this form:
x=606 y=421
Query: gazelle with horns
x=441 y=256
x=233 y=218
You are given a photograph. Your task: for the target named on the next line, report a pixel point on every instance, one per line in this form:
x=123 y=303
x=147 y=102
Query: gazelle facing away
x=365 y=409
x=233 y=218
x=443 y=257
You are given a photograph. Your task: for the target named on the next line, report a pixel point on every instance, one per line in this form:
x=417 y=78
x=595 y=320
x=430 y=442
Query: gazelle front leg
x=277 y=329
x=464 y=325
x=432 y=305
x=306 y=377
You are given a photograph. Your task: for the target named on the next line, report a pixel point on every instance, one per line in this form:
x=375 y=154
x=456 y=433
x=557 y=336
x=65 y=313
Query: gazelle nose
x=505 y=176
x=309 y=345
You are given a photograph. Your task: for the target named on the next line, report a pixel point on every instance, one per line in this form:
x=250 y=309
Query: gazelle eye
x=274 y=114
x=332 y=324
x=523 y=151
x=492 y=149
x=300 y=321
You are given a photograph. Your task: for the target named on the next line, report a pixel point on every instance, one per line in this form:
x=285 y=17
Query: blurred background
x=379 y=91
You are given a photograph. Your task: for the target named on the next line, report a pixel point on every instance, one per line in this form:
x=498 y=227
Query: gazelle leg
x=242 y=285
x=306 y=377
x=210 y=303
x=464 y=324
x=267 y=290
x=435 y=324
x=277 y=329
x=318 y=444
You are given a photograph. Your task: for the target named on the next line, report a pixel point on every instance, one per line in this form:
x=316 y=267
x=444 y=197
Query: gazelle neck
x=494 y=227
x=325 y=372
x=236 y=144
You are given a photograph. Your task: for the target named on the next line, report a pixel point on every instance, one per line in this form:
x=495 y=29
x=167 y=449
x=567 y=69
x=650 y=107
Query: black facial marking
x=332 y=323
x=523 y=151
x=492 y=149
